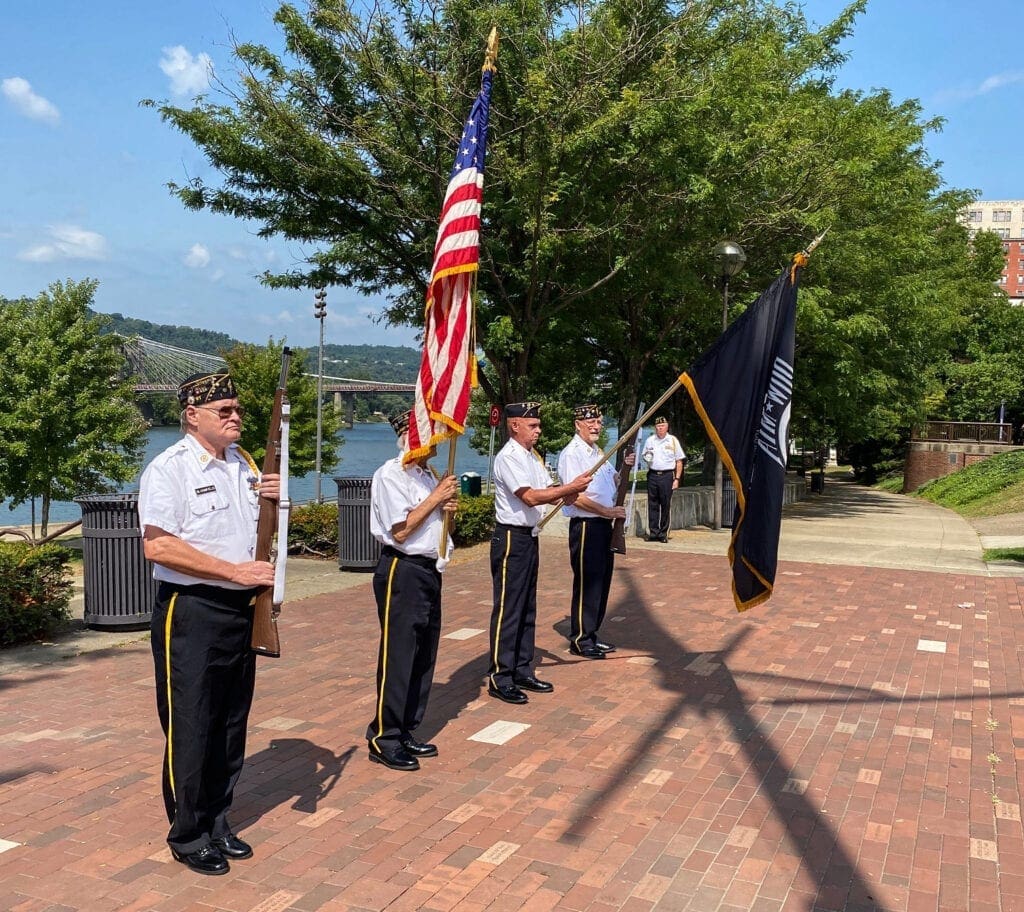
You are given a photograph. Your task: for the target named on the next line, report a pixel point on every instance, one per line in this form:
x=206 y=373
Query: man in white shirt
x=590 y=533
x=407 y=505
x=521 y=486
x=198 y=507
x=665 y=461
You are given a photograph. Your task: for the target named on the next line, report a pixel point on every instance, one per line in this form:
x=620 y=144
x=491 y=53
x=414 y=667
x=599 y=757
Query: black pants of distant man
x=205 y=675
x=659 y=502
x=408 y=593
x=515 y=558
x=592 y=561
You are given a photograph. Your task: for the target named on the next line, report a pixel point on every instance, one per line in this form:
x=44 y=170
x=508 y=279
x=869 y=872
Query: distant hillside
x=389 y=363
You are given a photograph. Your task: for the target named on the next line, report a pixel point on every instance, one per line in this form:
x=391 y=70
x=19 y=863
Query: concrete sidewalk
x=856 y=743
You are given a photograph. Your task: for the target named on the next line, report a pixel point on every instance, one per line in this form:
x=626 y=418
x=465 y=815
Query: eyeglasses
x=225 y=411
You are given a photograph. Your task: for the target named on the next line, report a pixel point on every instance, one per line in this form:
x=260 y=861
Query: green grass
x=987 y=488
x=1003 y=554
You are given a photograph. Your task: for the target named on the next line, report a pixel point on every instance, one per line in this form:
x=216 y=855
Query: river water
x=366 y=447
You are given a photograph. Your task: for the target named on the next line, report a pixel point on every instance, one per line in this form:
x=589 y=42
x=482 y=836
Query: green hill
x=987 y=488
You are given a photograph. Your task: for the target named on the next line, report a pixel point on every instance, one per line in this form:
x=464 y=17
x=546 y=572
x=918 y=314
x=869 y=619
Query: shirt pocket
x=209 y=512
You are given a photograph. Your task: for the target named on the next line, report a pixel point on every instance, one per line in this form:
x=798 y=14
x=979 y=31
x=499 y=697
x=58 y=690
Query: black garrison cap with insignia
x=400 y=422
x=522 y=410
x=586 y=412
x=206 y=387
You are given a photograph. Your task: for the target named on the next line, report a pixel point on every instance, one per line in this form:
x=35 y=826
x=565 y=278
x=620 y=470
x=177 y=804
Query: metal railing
x=974 y=431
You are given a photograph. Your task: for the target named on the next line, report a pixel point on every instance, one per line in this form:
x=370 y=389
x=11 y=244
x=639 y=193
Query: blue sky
x=83 y=182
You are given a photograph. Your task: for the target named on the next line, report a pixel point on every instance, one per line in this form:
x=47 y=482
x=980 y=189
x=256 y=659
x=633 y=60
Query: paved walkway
x=856 y=743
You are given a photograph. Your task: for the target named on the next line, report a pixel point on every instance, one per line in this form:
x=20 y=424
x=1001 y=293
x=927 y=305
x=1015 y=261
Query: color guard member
x=665 y=460
x=198 y=506
x=521 y=486
x=406 y=507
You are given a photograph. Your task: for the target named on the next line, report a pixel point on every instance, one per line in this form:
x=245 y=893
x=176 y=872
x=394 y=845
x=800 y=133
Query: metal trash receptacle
x=119 y=587
x=818 y=483
x=357 y=548
x=469 y=484
x=728 y=504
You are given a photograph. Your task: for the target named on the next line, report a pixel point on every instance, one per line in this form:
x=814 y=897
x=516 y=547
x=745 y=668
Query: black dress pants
x=659 y=502
x=592 y=560
x=408 y=593
x=205 y=675
x=515 y=558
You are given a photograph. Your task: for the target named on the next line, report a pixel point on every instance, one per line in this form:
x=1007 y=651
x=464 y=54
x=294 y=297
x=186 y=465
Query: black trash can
x=469 y=484
x=728 y=503
x=818 y=483
x=119 y=585
x=357 y=548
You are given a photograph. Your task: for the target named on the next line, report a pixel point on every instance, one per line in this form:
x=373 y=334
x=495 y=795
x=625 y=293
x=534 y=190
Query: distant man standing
x=198 y=505
x=590 y=533
x=521 y=486
x=665 y=460
x=407 y=505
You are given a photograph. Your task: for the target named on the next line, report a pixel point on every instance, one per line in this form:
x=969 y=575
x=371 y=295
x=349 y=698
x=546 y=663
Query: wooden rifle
x=272 y=525
x=618 y=544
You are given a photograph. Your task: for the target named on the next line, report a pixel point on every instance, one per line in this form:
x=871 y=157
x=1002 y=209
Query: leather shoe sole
x=207 y=860
x=396 y=760
x=419 y=748
x=534 y=684
x=588 y=652
x=508 y=693
x=232 y=847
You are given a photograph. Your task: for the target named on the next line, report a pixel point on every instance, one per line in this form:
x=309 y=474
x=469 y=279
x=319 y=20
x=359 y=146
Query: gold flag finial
x=492 y=51
x=800 y=259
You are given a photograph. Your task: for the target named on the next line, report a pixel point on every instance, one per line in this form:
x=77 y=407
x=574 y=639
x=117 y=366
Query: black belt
x=659 y=471
x=509 y=527
x=589 y=519
x=233 y=598
x=421 y=559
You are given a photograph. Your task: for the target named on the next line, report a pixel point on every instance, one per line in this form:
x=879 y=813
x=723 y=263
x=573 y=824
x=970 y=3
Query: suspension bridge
x=156 y=367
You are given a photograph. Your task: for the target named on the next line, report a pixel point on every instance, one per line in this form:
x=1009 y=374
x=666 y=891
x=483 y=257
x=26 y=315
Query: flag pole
x=624 y=438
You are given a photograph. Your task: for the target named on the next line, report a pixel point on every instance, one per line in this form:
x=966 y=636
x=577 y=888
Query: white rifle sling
x=284 y=506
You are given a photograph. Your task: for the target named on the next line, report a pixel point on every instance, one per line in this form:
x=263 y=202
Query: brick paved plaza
x=852 y=744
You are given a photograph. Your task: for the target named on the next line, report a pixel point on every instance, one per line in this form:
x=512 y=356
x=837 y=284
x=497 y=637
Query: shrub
x=313 y=529
x=474 y=520
x=35 y=589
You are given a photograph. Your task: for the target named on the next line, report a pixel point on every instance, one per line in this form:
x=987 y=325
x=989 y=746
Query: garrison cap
x=586 y=412
x=206 y=387
x=661 y=419
x=522 y=410
x=400 y=422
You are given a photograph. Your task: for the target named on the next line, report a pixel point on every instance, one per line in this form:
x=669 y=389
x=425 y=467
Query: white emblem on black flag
x=771 y=438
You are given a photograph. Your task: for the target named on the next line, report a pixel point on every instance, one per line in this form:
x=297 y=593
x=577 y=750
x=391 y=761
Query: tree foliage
x=256 y=371
x=626 y=139
x=68 y=425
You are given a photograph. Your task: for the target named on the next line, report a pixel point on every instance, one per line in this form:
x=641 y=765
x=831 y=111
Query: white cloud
x=189 y=75
x=197 y=257
x=989 y=84
x=67 y=242
x=19 y=93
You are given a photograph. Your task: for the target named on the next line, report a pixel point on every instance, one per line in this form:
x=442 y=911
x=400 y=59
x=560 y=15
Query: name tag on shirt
x=209 y=489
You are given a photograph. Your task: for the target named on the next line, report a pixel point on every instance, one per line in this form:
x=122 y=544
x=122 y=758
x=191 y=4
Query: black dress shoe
x=529 y=682
x=587 y=652
x=207 y=860
x=419 y=748
x=396 y=758
x=507 y=692
x=605 y=647
x=232 y=846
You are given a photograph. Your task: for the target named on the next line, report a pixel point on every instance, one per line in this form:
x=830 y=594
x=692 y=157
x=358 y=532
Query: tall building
x=1005 y=218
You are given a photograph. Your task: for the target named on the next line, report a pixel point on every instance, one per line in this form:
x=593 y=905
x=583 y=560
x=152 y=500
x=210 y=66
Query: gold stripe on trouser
x=579 y=607
x=384 y=654
x=170 y=704
x=501 y=605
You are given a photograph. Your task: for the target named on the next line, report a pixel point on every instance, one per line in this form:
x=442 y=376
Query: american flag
x=447 y=370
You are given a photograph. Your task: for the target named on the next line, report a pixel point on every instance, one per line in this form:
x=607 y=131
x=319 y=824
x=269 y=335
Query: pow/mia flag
x=742 y=388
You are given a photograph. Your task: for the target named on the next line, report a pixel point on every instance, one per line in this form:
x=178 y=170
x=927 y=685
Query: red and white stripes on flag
x=448 y=369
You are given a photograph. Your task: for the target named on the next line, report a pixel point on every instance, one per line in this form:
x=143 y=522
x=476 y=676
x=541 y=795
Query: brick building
x=1005 y=218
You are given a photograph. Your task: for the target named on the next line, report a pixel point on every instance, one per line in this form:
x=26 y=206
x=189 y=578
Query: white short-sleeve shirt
x=579 y=457
x=662 y=454
x=515 y=468
x=395 y=491
x=209 y=503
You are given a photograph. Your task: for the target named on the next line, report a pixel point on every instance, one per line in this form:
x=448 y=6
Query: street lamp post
x=729 y=260
x=319 y=311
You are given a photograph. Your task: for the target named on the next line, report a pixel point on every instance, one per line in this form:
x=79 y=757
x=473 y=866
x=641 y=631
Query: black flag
x=742 y=387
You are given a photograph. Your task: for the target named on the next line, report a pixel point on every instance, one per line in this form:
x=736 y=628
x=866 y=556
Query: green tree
x=69 y=425
x=256 y=371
